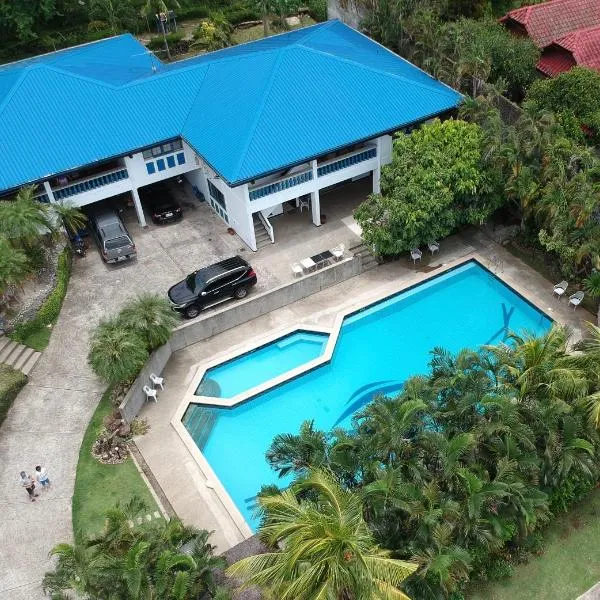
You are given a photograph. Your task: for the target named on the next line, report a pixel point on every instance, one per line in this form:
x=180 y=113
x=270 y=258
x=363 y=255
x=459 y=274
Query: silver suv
x=113 y=239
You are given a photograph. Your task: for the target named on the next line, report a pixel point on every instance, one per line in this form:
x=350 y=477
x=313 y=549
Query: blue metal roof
x=247 y=110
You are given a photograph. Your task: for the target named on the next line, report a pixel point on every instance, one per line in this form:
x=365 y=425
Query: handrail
x=280 y=184
x=83 y=185
x=352 y=158
x=267 y=225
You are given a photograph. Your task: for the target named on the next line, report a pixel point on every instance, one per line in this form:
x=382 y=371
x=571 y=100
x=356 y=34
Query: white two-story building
x=251 y=127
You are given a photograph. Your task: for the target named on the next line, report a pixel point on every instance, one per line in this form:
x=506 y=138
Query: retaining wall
x=232 y=315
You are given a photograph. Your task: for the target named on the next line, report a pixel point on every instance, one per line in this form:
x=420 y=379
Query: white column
x=138 y=207
x=130 y=166
x=376 y=180
x=315 y=201
x=49 y=192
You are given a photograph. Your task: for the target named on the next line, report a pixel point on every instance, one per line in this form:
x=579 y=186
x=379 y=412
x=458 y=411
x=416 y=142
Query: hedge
x=158 y=42
x=11 y=382
x=50 y=308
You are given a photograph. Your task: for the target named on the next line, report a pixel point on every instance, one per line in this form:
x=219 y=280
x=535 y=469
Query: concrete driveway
x=48 y=419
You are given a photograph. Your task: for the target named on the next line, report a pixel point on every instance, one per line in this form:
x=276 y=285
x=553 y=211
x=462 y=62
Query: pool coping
x=212 y=480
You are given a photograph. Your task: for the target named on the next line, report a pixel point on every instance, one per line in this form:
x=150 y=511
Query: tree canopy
x=436 y=181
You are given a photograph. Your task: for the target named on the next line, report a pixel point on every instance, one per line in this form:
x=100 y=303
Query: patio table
x=322 y=258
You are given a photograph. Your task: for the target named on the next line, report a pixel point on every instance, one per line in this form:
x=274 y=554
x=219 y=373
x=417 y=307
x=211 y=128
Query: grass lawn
x=99 y=487
x=39 y=338
x=241 y=36
x=569 y=566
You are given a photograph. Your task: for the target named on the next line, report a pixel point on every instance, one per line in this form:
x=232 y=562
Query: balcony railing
x=91 y=183
x=346 y=161
x=280 y=185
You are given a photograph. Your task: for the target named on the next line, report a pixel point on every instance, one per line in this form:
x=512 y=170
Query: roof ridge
x=382 y=72
x=13 y=89
x=263 y=101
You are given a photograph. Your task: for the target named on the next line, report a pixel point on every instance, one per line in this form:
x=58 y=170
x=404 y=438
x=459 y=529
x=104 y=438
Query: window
x=160 y=163
x=181 y=158
x=216 y=194
x=150 y=168
x=171 y=161
x=161 y=149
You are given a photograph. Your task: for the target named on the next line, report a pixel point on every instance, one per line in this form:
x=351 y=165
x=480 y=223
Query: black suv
x=228 y=278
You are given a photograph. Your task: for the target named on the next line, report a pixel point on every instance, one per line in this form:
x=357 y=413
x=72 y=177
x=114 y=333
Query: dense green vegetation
x=120 y=346
x=98 y=487
x=36 y=333
x=458 y=473
x=159 y=560
x=11 y=382
x=36 y=26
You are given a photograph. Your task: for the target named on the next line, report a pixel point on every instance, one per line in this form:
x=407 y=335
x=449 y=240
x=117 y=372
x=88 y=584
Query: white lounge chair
x=338 y=252
x=303 y=202
x=156 y=380
x=433 y=247
x=576 y=299
x=416 y=255
x=150 y=393
x=561 y=288
x=297 y=270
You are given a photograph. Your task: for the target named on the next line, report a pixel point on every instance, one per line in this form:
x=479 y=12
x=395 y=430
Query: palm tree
x=24 y=220
x=592 y=287
x=155 y=7
x=14 y=265
x=72 y=217
x=264 y=7
x=291 y=453
x=116 y=353
x=150 y=317
x=327 y=551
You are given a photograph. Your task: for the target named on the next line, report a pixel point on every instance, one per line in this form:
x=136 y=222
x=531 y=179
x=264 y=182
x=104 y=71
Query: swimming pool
x=262 y=364
x=377 y=349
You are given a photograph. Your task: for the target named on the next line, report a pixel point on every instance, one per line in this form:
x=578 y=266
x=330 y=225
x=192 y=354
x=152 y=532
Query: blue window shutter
x=160 y=163
x=181 y=158
x=150 y=168
x=171 y=161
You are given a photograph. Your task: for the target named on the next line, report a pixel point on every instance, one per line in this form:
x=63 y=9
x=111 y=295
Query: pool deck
x=193 y=495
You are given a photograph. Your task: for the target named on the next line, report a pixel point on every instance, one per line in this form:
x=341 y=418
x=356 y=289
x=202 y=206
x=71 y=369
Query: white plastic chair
x=561 y=288
x=416 y=255
x=433 y=247
x=576 y=299
x=150 y=393
x=297 y=270
x=303 y=203
x=338 y=252
x=156 y=380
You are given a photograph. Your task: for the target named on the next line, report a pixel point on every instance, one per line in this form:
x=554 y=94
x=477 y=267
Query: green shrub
x=11 y=382
x=193 y=12
x=317 y=9
x=50 y=308
x=239 y=13
x=157 y=43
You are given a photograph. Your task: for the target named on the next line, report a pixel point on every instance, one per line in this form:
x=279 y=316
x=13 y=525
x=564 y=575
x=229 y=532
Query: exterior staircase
x=366 y=257
x=260 y=233
x=17 y=355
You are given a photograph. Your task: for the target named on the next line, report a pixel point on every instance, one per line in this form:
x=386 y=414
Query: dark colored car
x=228 y=278
x=161 y=204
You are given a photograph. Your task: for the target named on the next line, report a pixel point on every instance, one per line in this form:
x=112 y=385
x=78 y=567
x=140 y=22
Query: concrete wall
x=232 y=315
x=135 y=398
x=255 y=306
x=346 y=11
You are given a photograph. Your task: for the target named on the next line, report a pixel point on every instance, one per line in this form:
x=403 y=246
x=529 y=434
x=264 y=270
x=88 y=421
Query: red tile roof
x=584 y=45
x=549 y=21
x=555 y=61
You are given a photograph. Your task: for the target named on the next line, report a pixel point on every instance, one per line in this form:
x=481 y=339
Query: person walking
x=29 y=484
x=41 y=474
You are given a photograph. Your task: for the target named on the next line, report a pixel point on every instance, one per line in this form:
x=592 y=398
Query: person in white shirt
x=29 y=484
x=41 y=475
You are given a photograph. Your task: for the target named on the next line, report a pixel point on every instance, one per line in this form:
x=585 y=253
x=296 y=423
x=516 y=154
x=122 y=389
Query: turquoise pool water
x=377 y=350
x=269 y=361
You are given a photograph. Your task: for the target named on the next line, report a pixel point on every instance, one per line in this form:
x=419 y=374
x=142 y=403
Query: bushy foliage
x=120 y=346
x=436 y=182
x=213 y=34
x=50 y=308
x=11 y=382
x=162 y=559
x=464 y=466
x=116 y=353
x=572 y=95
